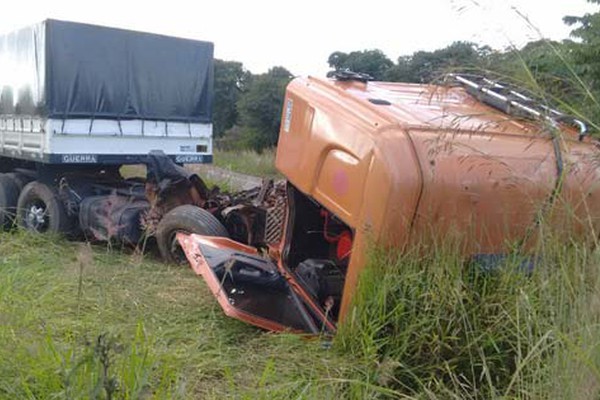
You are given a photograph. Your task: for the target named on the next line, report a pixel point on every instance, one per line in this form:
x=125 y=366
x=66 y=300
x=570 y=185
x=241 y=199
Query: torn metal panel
x=247 y=286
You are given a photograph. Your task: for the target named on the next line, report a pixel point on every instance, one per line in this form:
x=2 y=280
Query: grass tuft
x=248 y=162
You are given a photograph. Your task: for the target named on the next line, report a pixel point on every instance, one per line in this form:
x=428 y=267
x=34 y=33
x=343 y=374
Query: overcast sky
x=300 y=35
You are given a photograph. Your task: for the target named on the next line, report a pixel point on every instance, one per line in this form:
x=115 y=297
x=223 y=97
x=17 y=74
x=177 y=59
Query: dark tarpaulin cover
x=70 y=70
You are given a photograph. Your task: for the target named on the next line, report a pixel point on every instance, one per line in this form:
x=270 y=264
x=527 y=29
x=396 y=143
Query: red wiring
x=343 y=240
x=330 y=239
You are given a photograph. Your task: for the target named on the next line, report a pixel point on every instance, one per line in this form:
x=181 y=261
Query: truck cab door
x=249 y=287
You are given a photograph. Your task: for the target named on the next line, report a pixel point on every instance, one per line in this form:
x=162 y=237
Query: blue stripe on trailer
x=106 y=159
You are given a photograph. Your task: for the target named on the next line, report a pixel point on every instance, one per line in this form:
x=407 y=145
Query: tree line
x=247 y=107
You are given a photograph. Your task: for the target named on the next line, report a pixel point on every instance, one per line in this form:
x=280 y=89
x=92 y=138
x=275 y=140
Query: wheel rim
x=36 y=217
x=175 y=249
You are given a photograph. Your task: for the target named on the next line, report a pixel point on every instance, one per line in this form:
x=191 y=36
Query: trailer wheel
x=40 y=210
x=19 y=179
x=9 y=195
x=186 y=218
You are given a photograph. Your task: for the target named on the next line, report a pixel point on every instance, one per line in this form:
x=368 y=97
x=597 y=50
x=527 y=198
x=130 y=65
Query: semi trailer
x=79 y=101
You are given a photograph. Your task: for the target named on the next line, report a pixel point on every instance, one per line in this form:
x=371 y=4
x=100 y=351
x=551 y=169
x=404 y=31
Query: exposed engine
x=255 y=217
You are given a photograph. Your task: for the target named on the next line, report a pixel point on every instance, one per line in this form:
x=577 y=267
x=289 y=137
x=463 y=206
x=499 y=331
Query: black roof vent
x=380 y=102
x=347 y=75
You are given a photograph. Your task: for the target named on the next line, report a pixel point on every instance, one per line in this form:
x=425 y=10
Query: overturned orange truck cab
x=399 y=164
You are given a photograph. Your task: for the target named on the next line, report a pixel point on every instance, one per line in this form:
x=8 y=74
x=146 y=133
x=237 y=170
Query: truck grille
x=275 y=220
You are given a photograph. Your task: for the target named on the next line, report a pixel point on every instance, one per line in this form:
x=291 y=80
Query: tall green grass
x=431 y=325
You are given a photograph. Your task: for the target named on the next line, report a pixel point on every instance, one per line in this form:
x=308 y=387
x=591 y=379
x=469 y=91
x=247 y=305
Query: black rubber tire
x=19 y=179
x=38 y=196
x=9 y=196
x=186 y=218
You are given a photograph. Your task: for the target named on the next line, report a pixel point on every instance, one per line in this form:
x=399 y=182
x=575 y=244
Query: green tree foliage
x=231 y=80
x=260 y=108
x=543 y=66
x=422 y=66
x=586 y=57
x=372 y=62
x=586 y=53
x=427 y=66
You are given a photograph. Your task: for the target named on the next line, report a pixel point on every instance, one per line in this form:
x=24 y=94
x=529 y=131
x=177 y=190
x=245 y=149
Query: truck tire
x=9 y=195
x=19 y=179
x=40 y=210
x=186 y=218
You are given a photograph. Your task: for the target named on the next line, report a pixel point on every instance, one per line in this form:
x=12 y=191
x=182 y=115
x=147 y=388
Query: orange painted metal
x=189 y=244
x=406 y=163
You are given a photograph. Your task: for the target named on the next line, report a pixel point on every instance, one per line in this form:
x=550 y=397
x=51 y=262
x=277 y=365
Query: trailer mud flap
x=247 y=286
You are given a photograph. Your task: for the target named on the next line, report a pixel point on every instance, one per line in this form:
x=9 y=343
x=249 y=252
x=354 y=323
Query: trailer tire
x=9 y=195
x=40 y=210
x=189 y=219
x=19 y=179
